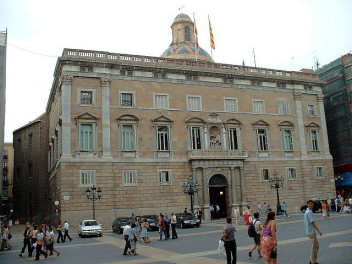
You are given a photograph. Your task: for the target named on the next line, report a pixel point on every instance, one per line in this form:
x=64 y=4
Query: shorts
x=257 y=239
x=50 y=246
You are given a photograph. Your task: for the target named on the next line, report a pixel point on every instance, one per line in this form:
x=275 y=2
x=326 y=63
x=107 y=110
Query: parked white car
x=90 y=228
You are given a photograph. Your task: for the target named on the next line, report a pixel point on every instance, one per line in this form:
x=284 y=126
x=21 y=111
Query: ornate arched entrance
x=218 y=193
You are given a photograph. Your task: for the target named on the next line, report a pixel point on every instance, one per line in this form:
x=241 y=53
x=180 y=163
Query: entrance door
x=218 y=196
x=217 y=192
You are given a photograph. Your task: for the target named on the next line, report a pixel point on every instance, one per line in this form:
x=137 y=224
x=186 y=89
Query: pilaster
x=302 y=137
x=66 y=115
x=324 y=131
x=105 y=86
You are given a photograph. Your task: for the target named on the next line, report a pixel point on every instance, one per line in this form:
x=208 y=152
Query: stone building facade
x=139 y=126
x=30 y=184
x=7 y=179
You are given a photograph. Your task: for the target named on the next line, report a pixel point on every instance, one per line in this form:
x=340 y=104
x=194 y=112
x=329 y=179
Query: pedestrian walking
x=27 y=235
x=133 y=238
x=67 y=227
x=283 y=209
x=59 y=230
x=162 y=227
x=40 y=244
x=5 y=238
x=167 y=225
x=144 y=232
x=49 y=242
x=325 y=210
x=229 y=241
x=199 y=215
x=311 y=228
x=173 y=226
x=257 y=228
x=126 y=236
x=268 y=241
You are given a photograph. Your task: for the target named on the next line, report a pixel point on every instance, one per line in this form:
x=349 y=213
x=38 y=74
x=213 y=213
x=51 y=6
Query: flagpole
x=211 y=47
x=195 y=36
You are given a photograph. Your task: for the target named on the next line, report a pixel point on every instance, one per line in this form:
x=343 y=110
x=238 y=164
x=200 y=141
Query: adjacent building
x=338 y=107
x=30 y=184
x=138 y=127
x=7 y=179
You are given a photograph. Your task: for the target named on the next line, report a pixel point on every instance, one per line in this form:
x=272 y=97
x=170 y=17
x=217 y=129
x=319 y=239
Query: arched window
x=187 y=34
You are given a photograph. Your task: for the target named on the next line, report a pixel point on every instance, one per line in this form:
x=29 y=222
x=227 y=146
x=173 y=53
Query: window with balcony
x=128 y=138
x=86 y=137
x=262 y=139
x=314 y=140
x=287 y=139
x=196 y=137
x=233 y=138
x=163 y=138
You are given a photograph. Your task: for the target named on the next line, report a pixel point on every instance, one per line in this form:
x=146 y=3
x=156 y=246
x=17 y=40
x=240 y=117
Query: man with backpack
x=254 y=231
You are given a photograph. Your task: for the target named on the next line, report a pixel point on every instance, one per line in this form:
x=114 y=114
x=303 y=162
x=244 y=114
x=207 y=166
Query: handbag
x=273 y=253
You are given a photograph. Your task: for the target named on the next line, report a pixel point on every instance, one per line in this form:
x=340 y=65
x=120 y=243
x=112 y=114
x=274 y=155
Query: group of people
x=265 y=239
x=38 y=237
x=5 y=238
x=215 y=212
x=137 y=230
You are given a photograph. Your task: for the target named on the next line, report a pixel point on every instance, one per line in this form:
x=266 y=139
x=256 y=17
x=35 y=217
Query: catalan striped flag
x=195 y=33
x=212 y=42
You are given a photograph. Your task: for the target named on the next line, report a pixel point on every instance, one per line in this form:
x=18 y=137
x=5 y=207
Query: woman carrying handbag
x=269 y=241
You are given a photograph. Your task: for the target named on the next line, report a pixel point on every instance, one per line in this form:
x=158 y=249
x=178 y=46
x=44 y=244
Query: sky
x=285 y=35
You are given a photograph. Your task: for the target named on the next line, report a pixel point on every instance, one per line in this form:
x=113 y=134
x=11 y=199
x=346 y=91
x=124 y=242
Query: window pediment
x=195 y=120
x=233 y=121
x=261 y=123
x=162 y=119
x=286 y=124
x=127 y=118
x=86 y=116
x=312 y=125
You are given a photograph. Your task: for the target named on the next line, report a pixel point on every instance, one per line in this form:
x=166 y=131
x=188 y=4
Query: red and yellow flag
x=195 y=33
x=212 y=42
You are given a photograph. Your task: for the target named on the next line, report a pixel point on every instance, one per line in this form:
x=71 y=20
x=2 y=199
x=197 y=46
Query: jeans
x=231 y=247
x=127 y=245
x=161 y=234
x=174 y=233
x=60 y=237
x=315 y=248
x=67 y=235
x=26 y=242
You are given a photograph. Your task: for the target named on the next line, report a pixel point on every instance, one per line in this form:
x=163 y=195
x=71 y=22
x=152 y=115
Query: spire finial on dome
x=181 y=9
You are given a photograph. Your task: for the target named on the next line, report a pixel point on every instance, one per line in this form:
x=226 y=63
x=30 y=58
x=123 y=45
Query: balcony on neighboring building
x=217 y=154
x=5 y=183
x=5 y=169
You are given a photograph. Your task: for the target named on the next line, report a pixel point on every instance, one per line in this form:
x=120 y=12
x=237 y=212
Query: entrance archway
x=218 y=193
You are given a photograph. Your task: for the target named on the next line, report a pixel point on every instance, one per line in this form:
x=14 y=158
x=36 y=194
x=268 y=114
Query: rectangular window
x=161 y=101
x=231 y=104
x=4 y=165
x=126 y=99
x=163 y=138
x=288 y=139
x=165 y=177
x=258 y=106
x=129 y=177
x=264 y=174
x=87 y=177
x=194 y=102
x=196 y=138
x=30 y=140
x=86 y=97
x=291 y=173
x=284 y=108
x=30 y=170
x=310 y=110
x=319 y=172
x=128 y=137
x=262 y=140
x=233 y=136
x=86 y=137
x=314 y=139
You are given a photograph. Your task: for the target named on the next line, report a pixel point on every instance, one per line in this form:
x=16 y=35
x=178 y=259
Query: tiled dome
x=186 y=51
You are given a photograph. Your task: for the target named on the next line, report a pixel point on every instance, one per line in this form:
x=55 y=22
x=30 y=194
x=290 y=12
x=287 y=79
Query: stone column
x=105 y=86
x=206 y=195
x=302 y=137
x=243 y=187
x=324 y=131
x=196 y=198
x=206 y=139
x=66 y=115
x=234 y=202
x=224 y=141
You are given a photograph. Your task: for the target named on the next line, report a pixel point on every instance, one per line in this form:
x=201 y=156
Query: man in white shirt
x=67 y=227
x=126 y=234
x=258 y=229
x=173 y=226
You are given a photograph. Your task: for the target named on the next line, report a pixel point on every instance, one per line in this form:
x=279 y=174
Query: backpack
x=251 y=230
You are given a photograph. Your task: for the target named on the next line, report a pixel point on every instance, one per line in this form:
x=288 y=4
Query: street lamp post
x=277 y=183
x=93 y=194
x=190 y=188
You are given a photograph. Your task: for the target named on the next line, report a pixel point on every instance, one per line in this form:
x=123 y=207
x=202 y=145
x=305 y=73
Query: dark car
x=119 y=224
x=187 y=220
x=153 y=222
x=316 y=209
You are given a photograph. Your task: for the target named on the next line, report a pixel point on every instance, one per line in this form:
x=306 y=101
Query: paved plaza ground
x=199 y=245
